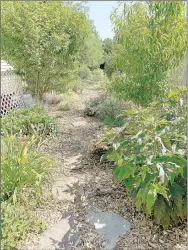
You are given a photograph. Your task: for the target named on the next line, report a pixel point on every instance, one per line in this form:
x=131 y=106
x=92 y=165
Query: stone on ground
x=61 y=188
x=61 y=236
x=109 y=226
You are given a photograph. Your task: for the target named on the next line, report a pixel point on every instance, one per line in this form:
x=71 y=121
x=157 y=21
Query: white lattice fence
x=11 y=92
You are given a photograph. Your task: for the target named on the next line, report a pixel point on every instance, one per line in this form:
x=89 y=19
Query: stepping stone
x=62 y=235
x=73 y=162
x=60 y=188
x=109 y=226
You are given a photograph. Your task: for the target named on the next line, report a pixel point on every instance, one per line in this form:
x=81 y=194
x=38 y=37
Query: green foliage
x=98 y=76
x=68 y=100
x=26 y=172
x=34 y=120
x=92 y=52
x=150 y=157
x=23 y=167
x=111 y=123
x=109 y=68
x=84 y=72
x=150 y=40
x=107 y=109
x=43 y=40
x=92 y=106
x=107 y=45
x=17 y=221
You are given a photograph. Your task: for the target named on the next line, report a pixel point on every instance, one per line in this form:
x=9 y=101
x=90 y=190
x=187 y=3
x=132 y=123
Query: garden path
x=90 y=189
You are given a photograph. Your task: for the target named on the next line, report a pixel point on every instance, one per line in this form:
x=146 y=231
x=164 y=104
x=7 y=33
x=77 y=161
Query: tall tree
x=43 y=40
x=92 y=52
x=150 y=40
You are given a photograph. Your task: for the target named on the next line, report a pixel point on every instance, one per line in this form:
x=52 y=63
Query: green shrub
x=64 y=106
x=68 y=100
x=107 y=109
x=48 y=49
x=17 y=221
x=84 y=73
x=150 y=42
x=150 y=157
x=98 y=75
x=110 y=108
x=92 y=106
x=78 y=85
x=29 y=121
x=23 y=168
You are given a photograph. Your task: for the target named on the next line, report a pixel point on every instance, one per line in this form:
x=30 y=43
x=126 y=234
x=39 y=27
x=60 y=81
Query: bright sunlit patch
x=99 y=225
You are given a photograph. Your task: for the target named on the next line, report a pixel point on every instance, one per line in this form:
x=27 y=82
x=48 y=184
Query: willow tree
x=150 y=40
x=43 y=41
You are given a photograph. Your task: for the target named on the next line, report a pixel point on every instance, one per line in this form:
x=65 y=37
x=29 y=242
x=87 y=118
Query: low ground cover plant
x=17 y=221
x=29 y=121
x=149 y=154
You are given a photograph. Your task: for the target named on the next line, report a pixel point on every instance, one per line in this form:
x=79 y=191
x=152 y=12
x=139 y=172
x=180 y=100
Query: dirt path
x=91 y=189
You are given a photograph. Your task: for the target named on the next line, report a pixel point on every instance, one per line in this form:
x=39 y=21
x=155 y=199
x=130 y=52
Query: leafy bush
x=44 y=47
x=64 y=106
x=98 y=75
x=29 y=121
x=68 y=100
x=16 y=222
x=150 y=157
x=77 y=85
x=84 y=73
x=23 y=168
x=92 y=106
x=108 y=109
x=109 y=68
